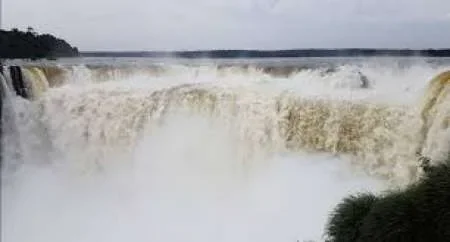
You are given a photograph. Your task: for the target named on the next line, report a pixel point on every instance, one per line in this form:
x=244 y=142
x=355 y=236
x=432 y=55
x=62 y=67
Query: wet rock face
x=2 y=94
x=2 y=77
x=364 y=80
x=421 y=212
x=18 y=81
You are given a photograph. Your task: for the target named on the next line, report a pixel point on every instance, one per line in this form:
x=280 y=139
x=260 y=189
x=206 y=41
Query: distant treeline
x=278 y=53
x=16 y=44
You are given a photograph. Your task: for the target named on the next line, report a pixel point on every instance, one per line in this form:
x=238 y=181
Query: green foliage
x=421 y=212
x=393 y=218
x=31 y=45
x=348 y=217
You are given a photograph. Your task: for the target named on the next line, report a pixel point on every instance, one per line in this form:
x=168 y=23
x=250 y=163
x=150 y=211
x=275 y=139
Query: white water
x=184 y=179
x=184 y=184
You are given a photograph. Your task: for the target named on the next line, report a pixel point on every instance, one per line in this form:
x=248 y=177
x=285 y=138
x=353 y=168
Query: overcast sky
x=244 y=24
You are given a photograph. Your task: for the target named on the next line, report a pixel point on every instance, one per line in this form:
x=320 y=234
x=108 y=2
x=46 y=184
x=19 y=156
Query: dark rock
x=18 y=81
x=364 y=80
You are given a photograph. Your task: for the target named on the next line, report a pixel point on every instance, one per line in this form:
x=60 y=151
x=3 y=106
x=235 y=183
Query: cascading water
x=177 y=153
x=22 y=137
x=9 y=134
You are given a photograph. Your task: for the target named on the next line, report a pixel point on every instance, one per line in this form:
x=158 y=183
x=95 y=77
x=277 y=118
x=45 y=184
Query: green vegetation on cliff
x=16 y=44
x=419 y=213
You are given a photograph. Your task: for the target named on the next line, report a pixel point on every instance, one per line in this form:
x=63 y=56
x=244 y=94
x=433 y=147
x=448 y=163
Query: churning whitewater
x=174 y=152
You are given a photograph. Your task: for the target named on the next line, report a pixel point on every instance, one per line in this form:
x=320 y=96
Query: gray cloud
x=251 y=24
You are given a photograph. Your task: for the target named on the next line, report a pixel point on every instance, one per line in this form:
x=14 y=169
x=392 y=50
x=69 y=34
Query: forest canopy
x=16 y=44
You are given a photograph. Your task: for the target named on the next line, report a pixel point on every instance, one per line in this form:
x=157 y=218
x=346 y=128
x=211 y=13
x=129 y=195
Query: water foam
x=184 y=183
x=104 y=119
x=205 y=153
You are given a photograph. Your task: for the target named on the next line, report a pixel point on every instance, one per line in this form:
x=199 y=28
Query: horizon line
x=269 y=50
